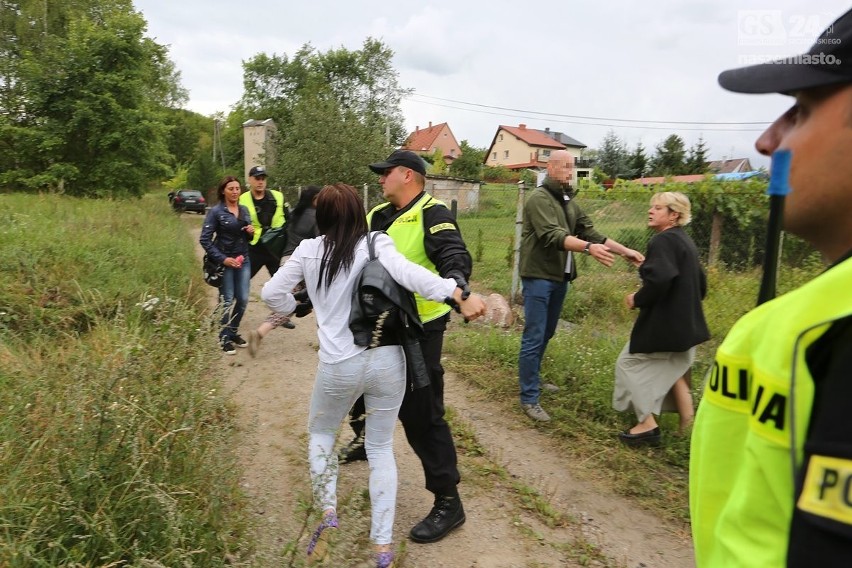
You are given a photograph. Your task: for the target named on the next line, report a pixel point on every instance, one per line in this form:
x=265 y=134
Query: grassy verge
x=580 y=360
x=115 y=441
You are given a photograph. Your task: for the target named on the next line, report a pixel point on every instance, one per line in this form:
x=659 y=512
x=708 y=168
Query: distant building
x=522 y=148
x=257 y=144
x=425 y=141
x=733 y=166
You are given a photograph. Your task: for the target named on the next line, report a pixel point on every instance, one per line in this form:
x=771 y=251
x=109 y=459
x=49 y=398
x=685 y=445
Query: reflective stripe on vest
x=751 y=426
x=407 y=233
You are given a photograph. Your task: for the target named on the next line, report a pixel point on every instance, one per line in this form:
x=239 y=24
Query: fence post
x=366 y=206
x=516 y=258
x=454 y=208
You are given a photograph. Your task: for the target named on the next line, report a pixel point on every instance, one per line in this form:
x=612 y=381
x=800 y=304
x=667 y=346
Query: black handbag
x=212 y=271
x=275 y=240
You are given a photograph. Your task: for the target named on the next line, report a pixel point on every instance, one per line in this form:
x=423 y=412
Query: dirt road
x=271 y=394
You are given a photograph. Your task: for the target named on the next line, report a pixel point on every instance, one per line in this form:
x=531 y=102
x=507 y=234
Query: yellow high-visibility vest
x=750 y=429
x=407 y=233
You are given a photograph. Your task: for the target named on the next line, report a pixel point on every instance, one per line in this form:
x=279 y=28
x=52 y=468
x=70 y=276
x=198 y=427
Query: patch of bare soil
x=272 y=393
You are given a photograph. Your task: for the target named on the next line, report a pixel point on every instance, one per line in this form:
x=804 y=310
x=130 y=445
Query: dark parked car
x=188 y=200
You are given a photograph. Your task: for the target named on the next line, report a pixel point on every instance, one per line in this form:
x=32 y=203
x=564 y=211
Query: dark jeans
x=261 y=257
x=233 y=299
x=542 y=306
x=422 y=417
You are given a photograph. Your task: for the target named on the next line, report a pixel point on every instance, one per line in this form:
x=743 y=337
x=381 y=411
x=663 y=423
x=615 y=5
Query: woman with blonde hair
x=330 y=265
x=651 y=371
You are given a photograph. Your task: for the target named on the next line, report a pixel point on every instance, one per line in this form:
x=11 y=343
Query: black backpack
x=381 y=308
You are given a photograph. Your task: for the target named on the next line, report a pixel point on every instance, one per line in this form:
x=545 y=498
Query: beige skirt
x=643 y=381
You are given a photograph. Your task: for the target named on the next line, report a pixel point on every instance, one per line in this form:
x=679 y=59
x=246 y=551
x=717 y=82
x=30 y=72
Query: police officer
x=771 y=456
x=425 y=231
x=267 y=212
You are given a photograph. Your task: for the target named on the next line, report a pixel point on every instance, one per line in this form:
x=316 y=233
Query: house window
x=500 y=138
x=452 y=151
x=545 y=153
x=505 y=154
x=494 y=155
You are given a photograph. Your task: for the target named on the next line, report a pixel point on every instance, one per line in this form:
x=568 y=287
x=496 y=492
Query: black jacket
x=669 y=301
x=374 y=292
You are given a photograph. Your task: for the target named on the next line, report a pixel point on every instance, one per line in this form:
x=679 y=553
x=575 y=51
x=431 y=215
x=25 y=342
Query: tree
x=696 y=161
x=638 y=161
x=83 y=100
x=187 y=131
x=469 y=163
x=354 y=93
x=438 y=165
x=325 y=144
x=612 y=156
x=670 y=158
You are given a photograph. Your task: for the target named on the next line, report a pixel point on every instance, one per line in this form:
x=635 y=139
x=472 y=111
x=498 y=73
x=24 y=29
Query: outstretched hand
x=602 y=254
x=634 y=257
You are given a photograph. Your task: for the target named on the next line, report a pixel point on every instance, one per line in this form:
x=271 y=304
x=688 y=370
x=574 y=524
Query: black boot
x=446 y=514
x=353 y=451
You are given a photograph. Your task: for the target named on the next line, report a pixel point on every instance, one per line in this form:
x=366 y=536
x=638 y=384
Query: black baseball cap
x=828 y=62
x=257 y=171
x=405 y=158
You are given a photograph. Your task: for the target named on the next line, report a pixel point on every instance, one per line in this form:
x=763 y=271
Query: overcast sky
x=642 y=69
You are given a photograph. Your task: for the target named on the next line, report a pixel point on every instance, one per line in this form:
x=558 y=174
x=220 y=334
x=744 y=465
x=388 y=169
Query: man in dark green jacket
x=554 y=228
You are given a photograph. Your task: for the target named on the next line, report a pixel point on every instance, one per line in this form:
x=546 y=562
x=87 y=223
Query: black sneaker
x=353 y=451
x=239 y=341
x=228 y=347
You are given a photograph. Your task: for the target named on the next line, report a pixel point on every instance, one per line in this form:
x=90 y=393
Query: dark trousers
x=422 y=417
x=261 y=257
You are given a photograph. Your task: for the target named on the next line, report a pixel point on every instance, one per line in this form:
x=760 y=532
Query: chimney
x=417 y=128
x=430 y=124
x=547 y=130
x=522 y=126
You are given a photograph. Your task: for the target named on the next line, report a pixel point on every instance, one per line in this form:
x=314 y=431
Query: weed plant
x=115 y=441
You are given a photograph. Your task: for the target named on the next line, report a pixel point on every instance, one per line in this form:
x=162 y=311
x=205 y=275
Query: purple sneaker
x=384 y=560
x=318 y=547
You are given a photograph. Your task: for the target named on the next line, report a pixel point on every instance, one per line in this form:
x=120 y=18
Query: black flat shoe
x=649 y=438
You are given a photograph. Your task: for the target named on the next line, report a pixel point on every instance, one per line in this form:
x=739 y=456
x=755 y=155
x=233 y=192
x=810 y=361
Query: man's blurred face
x=561 y=167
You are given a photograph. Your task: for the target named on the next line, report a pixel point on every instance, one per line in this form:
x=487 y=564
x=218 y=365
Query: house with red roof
x=521 y=148
x=425 y=141
x=732 y=166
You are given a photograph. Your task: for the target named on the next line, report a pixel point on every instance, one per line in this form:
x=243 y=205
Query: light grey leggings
x=378 y=374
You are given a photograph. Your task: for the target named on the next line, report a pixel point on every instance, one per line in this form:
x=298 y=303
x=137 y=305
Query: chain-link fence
x=728 y=226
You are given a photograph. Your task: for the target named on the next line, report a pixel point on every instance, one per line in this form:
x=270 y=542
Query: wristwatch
x=588 y=248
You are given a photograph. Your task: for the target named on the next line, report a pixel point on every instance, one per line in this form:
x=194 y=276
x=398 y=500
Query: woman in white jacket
x=329 y=265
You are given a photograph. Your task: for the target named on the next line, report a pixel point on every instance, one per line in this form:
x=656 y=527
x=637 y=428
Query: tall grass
x=115 y=441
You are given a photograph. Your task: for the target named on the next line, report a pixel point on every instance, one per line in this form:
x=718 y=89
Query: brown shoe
x=254 y=343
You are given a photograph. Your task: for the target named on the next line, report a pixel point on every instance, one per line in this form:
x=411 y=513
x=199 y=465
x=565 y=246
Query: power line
x=640 y=124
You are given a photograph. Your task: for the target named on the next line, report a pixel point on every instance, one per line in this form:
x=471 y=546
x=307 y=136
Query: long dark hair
x=306 y=199
x=221 y=191
x=341 y=219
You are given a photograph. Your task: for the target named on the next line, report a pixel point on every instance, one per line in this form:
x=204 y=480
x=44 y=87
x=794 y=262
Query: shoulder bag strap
x=371 y=246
